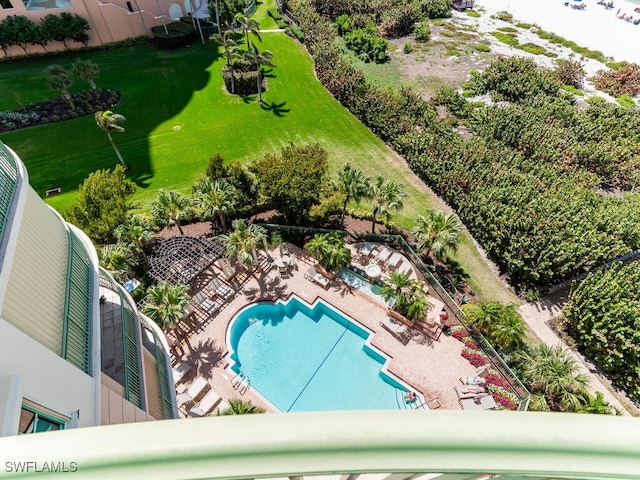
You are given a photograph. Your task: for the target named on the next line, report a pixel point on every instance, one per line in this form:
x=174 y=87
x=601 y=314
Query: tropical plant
x=165 y=304
x=58 y=79
x=552 y=372
x=408 y=295
x=330 y=250
x=597 y=405
x=247 y=25
x=136 y=233
x=103 y=202
x=437 y=233
x=215 y=199
x=259 y=59
x=230 y=52
x=386 y=195
x=168 y=208
x=86 y=69
x=244 y=241
x=501 y=324
x=352 y=184
x=108 y=121
x=117 y=259
x=240 y=407
x=569 y=72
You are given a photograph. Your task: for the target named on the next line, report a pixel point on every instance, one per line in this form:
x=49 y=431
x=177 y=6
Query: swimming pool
x=310 y=358
x=362 y=284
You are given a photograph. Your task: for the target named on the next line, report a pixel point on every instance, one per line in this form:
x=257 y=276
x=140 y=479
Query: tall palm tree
x=217 y=198
x=552 y=372
x=240 y=407
x=259 y=59
x=108 y=122
x=243 y=242
x=136 y=233
x=230 y=52
x=353 y=184
x=59 y=79
x=387 y=195
x=329 y=249
x=409 y=296
x=86 y=69
x=168 y=208
x=247 y=25
x=165 y=304
x=437 y=232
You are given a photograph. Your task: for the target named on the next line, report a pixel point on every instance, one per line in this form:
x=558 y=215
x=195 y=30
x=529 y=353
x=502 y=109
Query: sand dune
x=594 y=27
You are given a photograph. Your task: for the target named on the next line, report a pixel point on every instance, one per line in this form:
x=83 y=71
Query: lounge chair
x=366 y=249
x=398 y=330
x=180 y=372
x=284 y=249
x=405 y=268
x=460 y=390
x=197 y=387
x=383 y=255
x=313 y=276
x=486 y=402
x=208 y=403
x=219 y=289
x=394 y=260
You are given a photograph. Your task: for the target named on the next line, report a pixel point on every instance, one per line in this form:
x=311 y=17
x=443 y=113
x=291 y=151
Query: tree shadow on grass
x=276 y=108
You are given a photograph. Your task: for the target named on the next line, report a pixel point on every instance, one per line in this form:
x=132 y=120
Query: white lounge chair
x=197 y=387
x=394 y=260
x=180 y=372
x=208 y=403
x=219 y=289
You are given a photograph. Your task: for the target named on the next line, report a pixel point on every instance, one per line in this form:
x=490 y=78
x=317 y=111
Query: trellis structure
x=178 y=260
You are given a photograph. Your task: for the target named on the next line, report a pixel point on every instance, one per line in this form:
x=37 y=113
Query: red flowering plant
x=469 y=343
x=475 y=357
x=504 y=398
x=497 y=380
x=458 y=332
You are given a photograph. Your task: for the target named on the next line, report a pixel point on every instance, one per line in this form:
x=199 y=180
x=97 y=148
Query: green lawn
x=179 y=115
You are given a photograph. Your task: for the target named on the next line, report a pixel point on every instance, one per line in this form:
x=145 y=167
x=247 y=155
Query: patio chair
x=462 y=394
x=180 y=372
x=384 y=255
x=405 y=268
x=399 y=331
x=366 y=249
x=219 y=289
x=208 y=403
x=197 y=388
x=284 y=271
x=284 y=249
x=486 y=402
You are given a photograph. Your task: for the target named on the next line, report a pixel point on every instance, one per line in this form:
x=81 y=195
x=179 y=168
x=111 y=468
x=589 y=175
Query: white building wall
x=45 y=378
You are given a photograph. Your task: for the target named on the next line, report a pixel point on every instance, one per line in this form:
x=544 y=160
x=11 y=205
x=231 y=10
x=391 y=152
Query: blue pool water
x=362 y=284
x=305 y=358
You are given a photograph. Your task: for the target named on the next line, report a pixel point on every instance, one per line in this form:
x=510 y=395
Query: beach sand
x=594 y=27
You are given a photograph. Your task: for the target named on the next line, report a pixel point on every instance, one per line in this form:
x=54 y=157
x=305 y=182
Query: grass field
x=179 y=115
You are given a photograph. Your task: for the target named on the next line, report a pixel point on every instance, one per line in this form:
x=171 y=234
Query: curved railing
x=400 y=445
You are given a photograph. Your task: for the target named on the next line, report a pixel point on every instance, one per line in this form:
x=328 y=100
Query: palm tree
x=165 y=304
x=353 y=184
x=136 y=233
x=552 y=372
x=259 y=59
x=501 y=324
x=247 y=25
x=108 y=122
x=438 y=233
x=386 y=195
x=117 y=259
x=86 y=69
x=409 y=296
x=330 y=251
x=168 y=208
x=597 y=405
x=240 y=407
x=59 y=79
x=230 y=52
x=217 y=198
x=244 y=241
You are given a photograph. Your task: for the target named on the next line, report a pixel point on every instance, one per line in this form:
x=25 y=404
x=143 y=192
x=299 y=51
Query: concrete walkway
x=538 y=314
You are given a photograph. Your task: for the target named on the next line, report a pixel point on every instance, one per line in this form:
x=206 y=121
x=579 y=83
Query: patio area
x=432 y=367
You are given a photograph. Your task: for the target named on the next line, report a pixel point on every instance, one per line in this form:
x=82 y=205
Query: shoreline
x=594 y=27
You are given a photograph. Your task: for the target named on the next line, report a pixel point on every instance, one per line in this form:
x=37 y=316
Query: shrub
x=367 y=44
x=178 y=35
x=504 y=398
x=624 y=80
x=295 y=32
x=481 y=47
x=408 y=47
x=532 y=48
x=438 y=22
x=504 y=16
x=525 y=26
x=506 y=38
x=422 y=32
x=475 y=357
x=569 y=72
x=626 y=101
x=436 y=8
x=508 y=29
x=573 y=90
x=399 y=21
x=497 y=380
x=473 y=13
x=455 y=103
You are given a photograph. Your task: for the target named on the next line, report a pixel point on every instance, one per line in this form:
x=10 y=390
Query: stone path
x=538 y=314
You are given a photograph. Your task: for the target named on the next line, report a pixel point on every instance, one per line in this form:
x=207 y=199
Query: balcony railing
x=371 y=445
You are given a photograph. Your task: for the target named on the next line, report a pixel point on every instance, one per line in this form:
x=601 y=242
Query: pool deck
x=431 y=367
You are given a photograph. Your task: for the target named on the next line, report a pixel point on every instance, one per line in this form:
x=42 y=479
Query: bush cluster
x=367 y=44
x=569 y=72
x=624 y=79
x=178 y=35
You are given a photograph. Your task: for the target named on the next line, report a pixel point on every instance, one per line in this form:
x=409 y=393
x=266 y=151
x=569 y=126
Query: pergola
x=178 y=260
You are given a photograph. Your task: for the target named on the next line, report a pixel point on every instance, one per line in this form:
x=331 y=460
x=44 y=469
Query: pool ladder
x=241 y=383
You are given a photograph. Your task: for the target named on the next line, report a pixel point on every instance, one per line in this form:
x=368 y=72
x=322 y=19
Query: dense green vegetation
x=603 y=313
